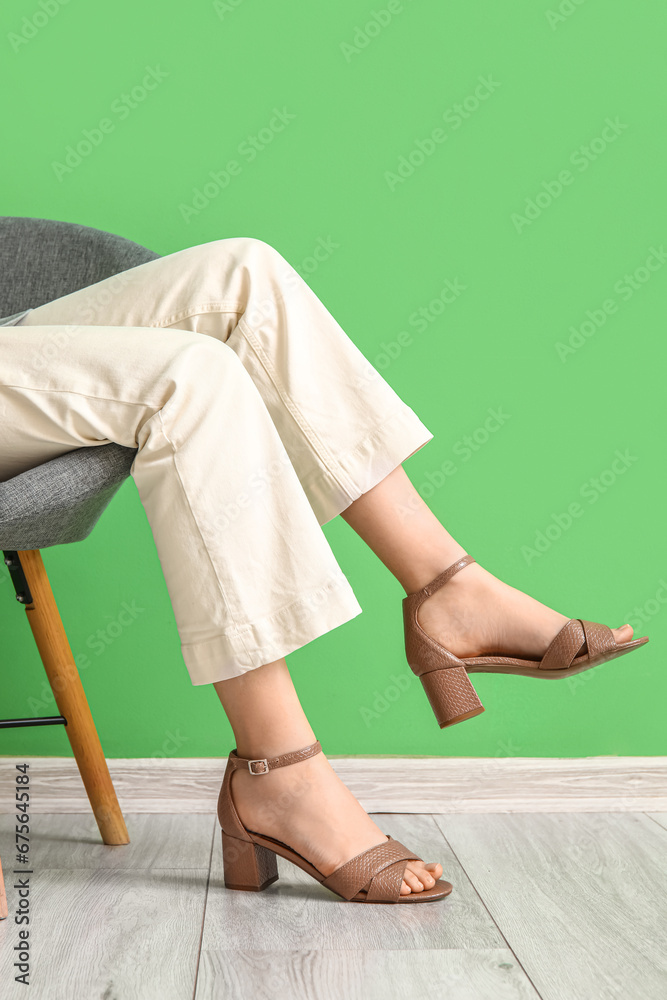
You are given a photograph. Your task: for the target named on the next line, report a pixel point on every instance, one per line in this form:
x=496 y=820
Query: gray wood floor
x=555 y=906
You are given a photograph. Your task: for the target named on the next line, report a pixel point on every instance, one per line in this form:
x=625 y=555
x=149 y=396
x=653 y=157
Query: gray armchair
x=61 y=500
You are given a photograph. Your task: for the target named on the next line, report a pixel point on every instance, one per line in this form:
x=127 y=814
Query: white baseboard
x=382 y=784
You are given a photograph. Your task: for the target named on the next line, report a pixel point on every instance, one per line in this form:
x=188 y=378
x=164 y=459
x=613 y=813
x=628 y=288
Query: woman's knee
x=256 y=255
x=250 y=275
x=202 y=355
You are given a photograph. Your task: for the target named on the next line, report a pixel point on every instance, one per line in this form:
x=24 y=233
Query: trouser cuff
x=251 y=645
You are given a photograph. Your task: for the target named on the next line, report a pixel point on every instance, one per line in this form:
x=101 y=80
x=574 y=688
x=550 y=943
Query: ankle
x=429 y=565
x=468 y=586
x=454 y=609
x=255 y=746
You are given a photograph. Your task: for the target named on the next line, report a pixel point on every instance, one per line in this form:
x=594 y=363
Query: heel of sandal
x=246 y=865
x=451 y=694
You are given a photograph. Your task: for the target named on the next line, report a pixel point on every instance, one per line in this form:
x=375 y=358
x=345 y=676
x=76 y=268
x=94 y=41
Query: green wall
x=535 y=258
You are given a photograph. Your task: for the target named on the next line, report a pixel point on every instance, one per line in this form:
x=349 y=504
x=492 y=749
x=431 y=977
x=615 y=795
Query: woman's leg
x=475 y=613
x=306 y=807
x=345 y=432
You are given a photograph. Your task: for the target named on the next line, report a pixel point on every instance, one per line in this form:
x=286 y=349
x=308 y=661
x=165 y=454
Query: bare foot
x=475 y=614
x=308 y=807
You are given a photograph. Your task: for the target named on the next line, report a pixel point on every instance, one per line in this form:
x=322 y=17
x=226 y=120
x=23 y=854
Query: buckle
x=260 y=760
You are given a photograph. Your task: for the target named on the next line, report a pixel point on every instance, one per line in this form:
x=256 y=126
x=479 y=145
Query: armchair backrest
x=43 y=259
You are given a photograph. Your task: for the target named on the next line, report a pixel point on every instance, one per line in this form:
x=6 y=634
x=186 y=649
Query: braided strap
x=364 y=869
x=385 y=887
x=569 y=643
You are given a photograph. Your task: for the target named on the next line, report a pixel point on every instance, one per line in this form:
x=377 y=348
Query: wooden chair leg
x=61 y=670
x=3 y=897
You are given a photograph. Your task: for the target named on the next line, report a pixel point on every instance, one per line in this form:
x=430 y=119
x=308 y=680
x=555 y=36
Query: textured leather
x=442 y=674
x=230 y=820
x=246 y=865
x=574 y=639
x=451 y=695
x=424 y=653
x=385 y=887
x=361 y=871
x=272 y=762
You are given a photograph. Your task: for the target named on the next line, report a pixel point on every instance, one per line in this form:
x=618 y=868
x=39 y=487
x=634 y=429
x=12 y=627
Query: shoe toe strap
x=362 y=871
x=599 y=638
x=574 y=638
x=385 y=887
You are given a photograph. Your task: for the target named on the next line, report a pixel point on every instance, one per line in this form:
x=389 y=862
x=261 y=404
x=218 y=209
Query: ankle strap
x=262 y=765
x=443 y=577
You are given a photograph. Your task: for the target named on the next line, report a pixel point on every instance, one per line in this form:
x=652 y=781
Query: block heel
x=451 y=695
x=246 y=865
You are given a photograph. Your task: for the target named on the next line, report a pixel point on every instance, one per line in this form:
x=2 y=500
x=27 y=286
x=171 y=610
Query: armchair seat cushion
x=61 y=500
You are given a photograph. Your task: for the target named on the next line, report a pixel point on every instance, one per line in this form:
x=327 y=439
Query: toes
x=623 y=634
x=434 y=869
x=412 y=881
x=427 y=878
x=419 y=877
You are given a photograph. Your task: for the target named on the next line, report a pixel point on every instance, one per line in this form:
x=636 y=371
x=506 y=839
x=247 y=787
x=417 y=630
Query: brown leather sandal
x=249 y=858
x=578 y=646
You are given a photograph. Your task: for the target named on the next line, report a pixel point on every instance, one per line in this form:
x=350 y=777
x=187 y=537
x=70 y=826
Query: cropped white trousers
x=256 y=420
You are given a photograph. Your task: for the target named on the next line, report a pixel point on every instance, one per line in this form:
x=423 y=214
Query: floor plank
x=456 y=974
x=156 y=840
x=660 y=818
x=580 y=898
x=120 y=934
x=297 y=914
